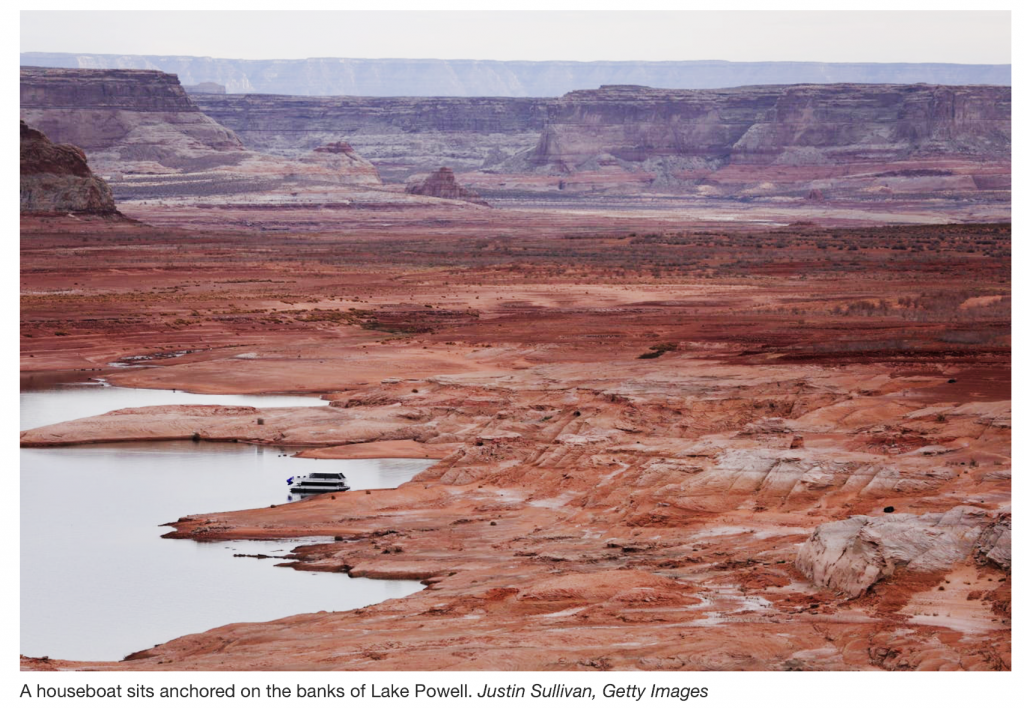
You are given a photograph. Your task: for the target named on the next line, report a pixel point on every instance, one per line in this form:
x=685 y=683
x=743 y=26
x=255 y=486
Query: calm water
x=98 y=582
x=45 y=403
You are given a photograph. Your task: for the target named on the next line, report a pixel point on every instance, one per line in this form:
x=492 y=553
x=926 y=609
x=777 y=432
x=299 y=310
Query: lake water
x=98 y=582
x=44 y=402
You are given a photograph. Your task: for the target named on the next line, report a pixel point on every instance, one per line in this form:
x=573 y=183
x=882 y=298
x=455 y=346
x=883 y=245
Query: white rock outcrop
x=851 y=555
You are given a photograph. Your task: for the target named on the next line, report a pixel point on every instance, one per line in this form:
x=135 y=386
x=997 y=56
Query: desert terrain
x=711 y=379
x=660 y=447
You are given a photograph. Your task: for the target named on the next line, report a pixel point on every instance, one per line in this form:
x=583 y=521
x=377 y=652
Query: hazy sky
x=961 y=37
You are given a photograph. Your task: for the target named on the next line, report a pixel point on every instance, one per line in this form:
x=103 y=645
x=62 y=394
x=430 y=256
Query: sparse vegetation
x=658 y=350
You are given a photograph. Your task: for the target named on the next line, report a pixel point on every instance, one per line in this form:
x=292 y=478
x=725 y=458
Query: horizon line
x=533 y=61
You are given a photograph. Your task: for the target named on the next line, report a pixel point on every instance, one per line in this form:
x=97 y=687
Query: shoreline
x=634 y=469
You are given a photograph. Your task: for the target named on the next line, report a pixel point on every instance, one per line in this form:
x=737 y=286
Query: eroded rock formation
x=56 y=179
x=867 y=143
x=401 y=136
x=128 y=121
x=588 y=508
x=788 y=145
x=782 y=140
x=442 y=184
x=142 y=129
x=853 y=554
x=339 y=159
x=622 y=508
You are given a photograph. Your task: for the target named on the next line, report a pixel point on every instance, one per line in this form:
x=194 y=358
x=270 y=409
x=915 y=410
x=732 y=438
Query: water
x=98 y=582
x=44 y=401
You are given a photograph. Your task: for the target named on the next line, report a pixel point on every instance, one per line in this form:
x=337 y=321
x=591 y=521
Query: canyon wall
x=146 y=135
x=135 y=121
x=823 y=144
x=400 y=136
x=442 y=77
x=777 y=124
x=780 y=140
x=817 y=142
x=56 y=179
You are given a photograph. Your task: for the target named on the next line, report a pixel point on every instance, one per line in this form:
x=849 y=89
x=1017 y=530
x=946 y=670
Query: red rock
x=56 y=179
x=336 y=149
x=143 y=127
x=859 y=142
x=759 y=141
x=616 y=515
x=442 y=184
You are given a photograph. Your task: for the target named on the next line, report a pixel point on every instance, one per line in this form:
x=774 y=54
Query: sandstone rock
x=812 y=143
x=781 y=139
x=401 y=136
x=130 y=121
x=56 y=179
x=625 y=585
x=851 y=555
x=143 y=126
x=442 y=184
x=341 y=161
x=336 y=149
x=994 y=542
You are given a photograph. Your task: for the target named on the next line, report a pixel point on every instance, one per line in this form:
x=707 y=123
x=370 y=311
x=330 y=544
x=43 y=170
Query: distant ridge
x=440 y=77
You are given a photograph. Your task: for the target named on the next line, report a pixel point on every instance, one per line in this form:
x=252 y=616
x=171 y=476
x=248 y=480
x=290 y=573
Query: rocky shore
x=732 y=463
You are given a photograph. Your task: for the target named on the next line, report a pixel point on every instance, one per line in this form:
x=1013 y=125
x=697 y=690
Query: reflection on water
x=98 y=582
x=45 y=401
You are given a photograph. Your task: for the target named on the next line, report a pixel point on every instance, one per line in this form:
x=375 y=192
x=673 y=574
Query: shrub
x=659 y=349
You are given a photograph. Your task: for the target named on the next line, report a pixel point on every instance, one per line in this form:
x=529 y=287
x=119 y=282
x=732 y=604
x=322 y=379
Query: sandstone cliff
x=443 y=77
x=839 y=139
x=56 y=179
x=759 y=123
x=128 y=121
x=795 y=125
x=808 y=144
x=400 y=136
x=142 y=129
x=815 y=143
x=442 y=184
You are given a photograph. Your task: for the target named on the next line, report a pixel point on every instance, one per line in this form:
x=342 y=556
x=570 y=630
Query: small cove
x=45 y=402
x=98 y=582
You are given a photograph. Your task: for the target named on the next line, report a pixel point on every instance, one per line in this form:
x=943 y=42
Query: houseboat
x=318 y=483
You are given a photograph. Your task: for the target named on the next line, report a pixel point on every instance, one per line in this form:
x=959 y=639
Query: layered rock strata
x=807 y=143
x=56 y=179
x=870 y=140
x=851 y=555
x=128 y=121
x=143 y=131
x=442 y=184
x=401 y=136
